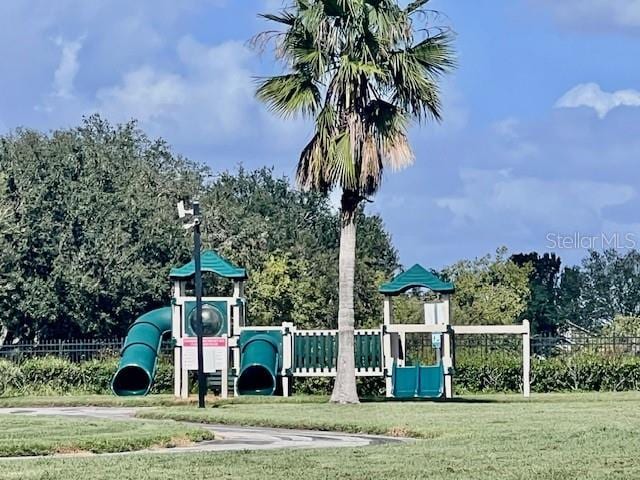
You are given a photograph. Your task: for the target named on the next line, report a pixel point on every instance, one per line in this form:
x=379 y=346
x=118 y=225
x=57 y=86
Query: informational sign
x=436 y=313
x=214 y=350
x=436 y=340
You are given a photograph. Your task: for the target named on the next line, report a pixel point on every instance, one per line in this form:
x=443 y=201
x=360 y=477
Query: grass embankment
x=93 y=401
x=551 y=437
x=23 y=435
x=148 y=401
x=479 y=415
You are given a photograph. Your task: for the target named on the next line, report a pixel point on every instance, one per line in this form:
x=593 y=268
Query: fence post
x=526 y=360
x=613 y=342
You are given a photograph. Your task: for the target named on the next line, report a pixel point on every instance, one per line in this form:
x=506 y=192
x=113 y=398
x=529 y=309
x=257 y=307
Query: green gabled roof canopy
x=416 y=276
x=211 y=262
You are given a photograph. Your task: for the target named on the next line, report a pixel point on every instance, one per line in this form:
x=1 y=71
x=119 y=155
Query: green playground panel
x=419 y=381
x=215 y=321
x=320 y=351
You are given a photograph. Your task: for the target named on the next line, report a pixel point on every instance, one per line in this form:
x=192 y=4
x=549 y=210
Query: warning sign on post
x=214 y=350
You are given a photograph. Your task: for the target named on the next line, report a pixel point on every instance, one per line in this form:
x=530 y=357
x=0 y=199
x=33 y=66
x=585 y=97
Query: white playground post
x=386 y=345
x=180 y=378
x=224 y=375
x=526 y=359
x=447 y=354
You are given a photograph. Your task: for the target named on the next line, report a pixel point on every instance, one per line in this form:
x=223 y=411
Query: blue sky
x=539 y=148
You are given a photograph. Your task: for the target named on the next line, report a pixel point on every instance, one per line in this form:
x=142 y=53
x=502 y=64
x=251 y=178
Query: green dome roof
x=211 y=262
x=416 y=276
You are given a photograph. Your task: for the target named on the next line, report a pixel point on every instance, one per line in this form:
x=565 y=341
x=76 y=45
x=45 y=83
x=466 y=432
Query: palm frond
x=397 y=153
x=412 y=88
x=288 y=95
x=435 y=54
x=416 y=5
x=285 y=17
x=342 y=169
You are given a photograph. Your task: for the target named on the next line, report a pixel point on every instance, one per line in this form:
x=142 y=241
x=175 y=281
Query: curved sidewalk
x=228 y=438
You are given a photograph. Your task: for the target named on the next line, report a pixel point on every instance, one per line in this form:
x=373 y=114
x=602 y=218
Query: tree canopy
x=489 y=290
x=88 y=233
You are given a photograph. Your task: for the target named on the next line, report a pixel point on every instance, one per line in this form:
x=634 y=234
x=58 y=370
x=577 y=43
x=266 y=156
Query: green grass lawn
x=93 y=401
x=148 y=401
x=555 y=436
x=423 y=419
x=22 y=435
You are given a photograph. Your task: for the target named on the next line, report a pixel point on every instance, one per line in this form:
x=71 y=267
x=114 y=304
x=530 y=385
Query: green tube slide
x=259 y=362
x=140 y=353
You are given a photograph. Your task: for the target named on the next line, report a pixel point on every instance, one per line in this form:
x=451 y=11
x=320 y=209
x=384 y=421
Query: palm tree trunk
x=344 y=388
x=4 y=331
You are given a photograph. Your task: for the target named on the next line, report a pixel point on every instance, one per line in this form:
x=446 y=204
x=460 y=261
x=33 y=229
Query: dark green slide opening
x=256 y=380
x=140 y=353
x=131 y=380
x=259 y=363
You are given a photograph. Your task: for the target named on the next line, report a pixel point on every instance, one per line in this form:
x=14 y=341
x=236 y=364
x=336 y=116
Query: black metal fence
x=550 y=345
x=73 y=350
x=419 y=347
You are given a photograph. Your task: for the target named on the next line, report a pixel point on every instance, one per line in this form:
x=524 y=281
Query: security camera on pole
x=194 y=213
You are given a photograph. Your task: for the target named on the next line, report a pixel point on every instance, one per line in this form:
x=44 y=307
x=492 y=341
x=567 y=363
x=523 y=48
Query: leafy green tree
x=8 y=259
x=288 y=290
x=88 y=232
x=570 y=308
x=542 y=307
x=489 y=290
x=610 y=286
x=362 y=69
x=88 y=228
x=623 y=325
x=288 y=240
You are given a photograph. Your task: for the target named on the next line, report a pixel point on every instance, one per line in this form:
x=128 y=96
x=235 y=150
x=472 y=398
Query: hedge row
x=558 y=374
x=55 y=376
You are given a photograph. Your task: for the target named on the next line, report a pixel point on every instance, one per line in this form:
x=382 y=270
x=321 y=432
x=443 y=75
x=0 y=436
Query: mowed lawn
x=562 y=436
x=22 y=435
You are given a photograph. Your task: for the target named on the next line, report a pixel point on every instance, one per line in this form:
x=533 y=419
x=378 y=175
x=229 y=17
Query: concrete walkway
x=228 y=438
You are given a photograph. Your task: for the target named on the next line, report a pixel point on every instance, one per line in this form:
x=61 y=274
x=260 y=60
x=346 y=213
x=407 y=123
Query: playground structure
x=251 y=360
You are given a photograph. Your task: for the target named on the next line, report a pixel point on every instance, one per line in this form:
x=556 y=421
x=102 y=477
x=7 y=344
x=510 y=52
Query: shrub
x=57 y=376
x=556 y=374
x=10 y=377
x=473 y=374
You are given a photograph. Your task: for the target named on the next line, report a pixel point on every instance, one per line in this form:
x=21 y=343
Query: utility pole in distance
x=202 y=381
x=195 y=224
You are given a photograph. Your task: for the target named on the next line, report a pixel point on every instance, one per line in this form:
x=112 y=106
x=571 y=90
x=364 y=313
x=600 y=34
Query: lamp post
x=195 y=224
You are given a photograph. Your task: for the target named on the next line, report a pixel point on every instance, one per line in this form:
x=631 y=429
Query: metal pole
x=202 y=381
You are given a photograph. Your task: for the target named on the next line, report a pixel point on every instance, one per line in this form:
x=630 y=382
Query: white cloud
x=592 y=96
x=498 y=197
x=144 y=94
x=597 y=14
x=207 y=95
x=68 y=68
x=206 y=99
x=512 y=141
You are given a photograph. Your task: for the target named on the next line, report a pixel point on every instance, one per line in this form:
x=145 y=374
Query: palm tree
x=357 y=68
